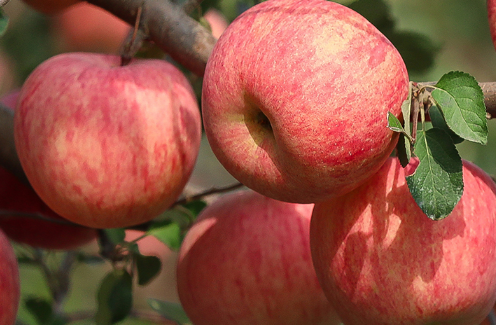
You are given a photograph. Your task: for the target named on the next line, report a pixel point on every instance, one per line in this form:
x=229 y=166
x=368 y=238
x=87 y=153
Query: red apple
x=21 y=199
x=86 y=27
x=381 y=260
x=50 y=6
x=295 y=99
x=491 y=14
x=106 y=145
x=247 y=260
x=9 y=282
x=217 y=21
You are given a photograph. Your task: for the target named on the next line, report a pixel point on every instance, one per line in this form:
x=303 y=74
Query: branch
x=169 y=27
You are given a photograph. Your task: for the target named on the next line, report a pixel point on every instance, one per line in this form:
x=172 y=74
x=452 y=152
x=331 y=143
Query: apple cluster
x=295 y=100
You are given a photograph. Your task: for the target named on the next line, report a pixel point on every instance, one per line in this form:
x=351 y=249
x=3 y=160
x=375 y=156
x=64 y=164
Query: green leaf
x=169 y=310
x=439 y=122
x=40 y=308
x=4 y=22
x=461 y=100
x=115 y=297
x=148 y=268
x=417 y=50
x=437 y=184
x=115 y=235
x=195 y=207
x=168 y=233
x=377 y=12
x=394 y=124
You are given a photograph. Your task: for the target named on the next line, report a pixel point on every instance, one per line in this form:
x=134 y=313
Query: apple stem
x=134 y=40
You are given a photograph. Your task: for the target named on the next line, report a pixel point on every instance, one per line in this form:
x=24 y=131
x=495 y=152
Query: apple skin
x=9 y=282
x=491 y=15
x=16 y=196
x=86 y=27
x=106 y=145
x=50 y=7
x=295 y=99
x=247 y=260
x=381 y=260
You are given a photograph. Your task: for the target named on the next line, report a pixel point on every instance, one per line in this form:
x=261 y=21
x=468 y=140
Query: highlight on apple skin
x=381 y=260
x=246 y=261
x=295 y=99
x=106 y=145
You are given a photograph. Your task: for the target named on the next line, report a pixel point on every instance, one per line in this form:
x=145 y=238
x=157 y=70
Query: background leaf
x=116 y=235
x=461 y=100
x=437 y=184
x=115 y=297
x=4 y=22
x=40 y=308
x=148 y=268
x=170 y=311
x=168 y=233
x=417 y=50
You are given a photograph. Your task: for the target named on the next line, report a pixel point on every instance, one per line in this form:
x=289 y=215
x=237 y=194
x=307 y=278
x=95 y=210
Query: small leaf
x=4 y=22
x=40 y=308
x=169 y=310
x=115 y=297
x=168 y=233
x=394 y=124
x=439 y=122
x=461 y=100
x=148 y=268
x=195 y=207
x=437 y=184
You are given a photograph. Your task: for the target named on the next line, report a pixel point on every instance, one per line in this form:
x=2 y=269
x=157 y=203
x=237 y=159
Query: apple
x=246 y=260
x=86 y=27
x=217 y=21
x=50 y=7
x=9 y=282
x=381 y=260
x=105 y=145
x=491 y=14
x=295 y=99
x=21 y=199
x=163 y=287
